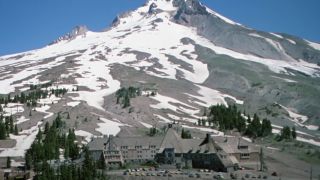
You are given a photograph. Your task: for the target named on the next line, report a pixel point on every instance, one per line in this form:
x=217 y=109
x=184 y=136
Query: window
x=138 y=147
x=243 y=147
x=244 y=156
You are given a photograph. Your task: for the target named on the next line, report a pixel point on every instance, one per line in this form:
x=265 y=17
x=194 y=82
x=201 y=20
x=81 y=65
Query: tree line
x=36 y=92
x=31 y=98
x=229 y=118
x=287 y=133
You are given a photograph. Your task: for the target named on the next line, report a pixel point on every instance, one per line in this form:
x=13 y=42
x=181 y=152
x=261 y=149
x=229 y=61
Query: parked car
x=218 y=176
x=198 y=175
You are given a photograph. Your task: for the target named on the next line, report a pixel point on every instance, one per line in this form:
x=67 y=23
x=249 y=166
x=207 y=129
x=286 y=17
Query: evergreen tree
x=102 y=162
x=285 y=133
x=8 y=162
x=249 y=119
x=11 y=124
x=266 y=128
x=46 y=128
x=16 y=131
x=28 y=159
x=3 y=131
x=126 y=101
x=88 y=166
x=152 y=131
x=293 y=133
x=185 y=134
x=254 y=128
x=39 y=135
x=241 y=123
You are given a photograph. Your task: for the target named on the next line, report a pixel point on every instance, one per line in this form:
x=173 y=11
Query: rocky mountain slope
x=192 y=56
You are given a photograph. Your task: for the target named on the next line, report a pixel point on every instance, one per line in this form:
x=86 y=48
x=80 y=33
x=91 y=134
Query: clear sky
x=31 y=24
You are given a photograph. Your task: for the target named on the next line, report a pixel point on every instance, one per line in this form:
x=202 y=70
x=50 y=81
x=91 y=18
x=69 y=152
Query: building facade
x=218 y=153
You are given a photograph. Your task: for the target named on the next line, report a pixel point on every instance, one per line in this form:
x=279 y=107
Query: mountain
x=190 y=55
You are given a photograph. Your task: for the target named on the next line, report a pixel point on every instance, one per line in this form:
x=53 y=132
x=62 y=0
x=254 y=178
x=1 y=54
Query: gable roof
x=172 y=140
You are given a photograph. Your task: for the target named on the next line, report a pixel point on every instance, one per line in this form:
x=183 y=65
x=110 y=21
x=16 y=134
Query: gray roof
x=172 y=140
x=230 y=144
x=97 y=143
x=145 y=142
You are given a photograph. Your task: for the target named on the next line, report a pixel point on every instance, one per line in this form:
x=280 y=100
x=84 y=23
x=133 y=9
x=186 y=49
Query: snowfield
x=295 y=117
x=109 y=127
x=88 y=136
x=314 y=45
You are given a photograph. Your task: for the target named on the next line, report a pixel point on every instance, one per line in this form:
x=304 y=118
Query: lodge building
x=219 y=153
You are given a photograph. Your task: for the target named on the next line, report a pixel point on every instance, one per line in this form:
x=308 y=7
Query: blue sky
x=32 y=24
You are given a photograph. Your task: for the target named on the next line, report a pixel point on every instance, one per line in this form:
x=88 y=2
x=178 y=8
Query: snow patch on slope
x=23 y=142
x=109 y=127
x=222 y=17
x=88 y=136
x=314 y=45
x=277 y=35
x=210 y=97
x=146 y=125
x=295 y=117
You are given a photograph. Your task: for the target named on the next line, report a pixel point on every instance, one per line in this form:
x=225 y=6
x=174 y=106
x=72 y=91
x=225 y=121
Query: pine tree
x=293 y=133
x=102 y=162
x=11 y=124
x=266 y=128
x=183 y=133
x=8 y=162
x=16 y=131
x=39 y=135
x=88 y=165
x=3 y=131
x=285 y=133
x=126 y=101
x=46 y=128
x=28 y=159
x=249 y=119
